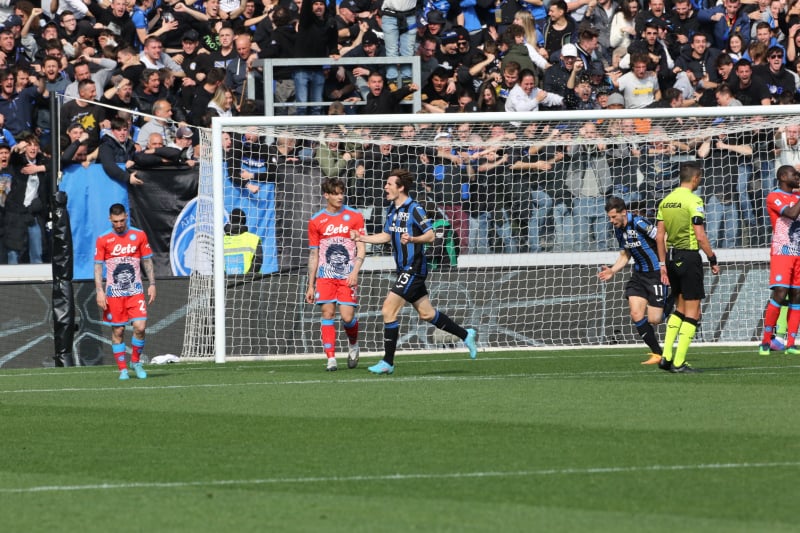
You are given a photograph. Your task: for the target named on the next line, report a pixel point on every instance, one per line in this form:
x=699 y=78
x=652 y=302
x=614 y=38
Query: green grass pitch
x=576 y=440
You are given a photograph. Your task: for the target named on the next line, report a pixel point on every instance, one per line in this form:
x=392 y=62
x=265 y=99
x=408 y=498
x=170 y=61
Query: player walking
x=784 y=262
x=334 y=260
x=645 y=292
x=680 y=237
x=124 y=252
x=408 y=228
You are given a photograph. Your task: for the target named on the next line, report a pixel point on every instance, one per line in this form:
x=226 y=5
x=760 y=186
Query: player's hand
x=310 y=295
x=405 y=238
x=665 y=277
x=355 y=235
x=101 y=301
x=605 y=273
x=715 y=269
x=151 y=294
x=352 y=279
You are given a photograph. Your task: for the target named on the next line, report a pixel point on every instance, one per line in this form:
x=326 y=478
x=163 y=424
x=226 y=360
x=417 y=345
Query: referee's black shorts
x=685 y=271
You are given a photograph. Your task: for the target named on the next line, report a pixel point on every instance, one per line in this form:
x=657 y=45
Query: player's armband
x=698 y=221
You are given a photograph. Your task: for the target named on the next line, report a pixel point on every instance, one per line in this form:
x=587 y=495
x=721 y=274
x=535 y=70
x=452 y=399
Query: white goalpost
x=521 y=233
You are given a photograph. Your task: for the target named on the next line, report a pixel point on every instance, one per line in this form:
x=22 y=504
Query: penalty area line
x=397 y=477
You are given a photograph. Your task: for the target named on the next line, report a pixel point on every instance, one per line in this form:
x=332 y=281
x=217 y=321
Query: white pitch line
x=396 y=477
x=384 y=380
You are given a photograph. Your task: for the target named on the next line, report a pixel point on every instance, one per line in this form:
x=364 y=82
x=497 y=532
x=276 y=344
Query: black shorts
x=685 y=271
x=411 y=287
x=647 y=285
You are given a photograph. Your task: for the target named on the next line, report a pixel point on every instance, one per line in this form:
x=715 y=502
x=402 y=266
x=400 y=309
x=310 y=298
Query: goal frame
x=466 y=261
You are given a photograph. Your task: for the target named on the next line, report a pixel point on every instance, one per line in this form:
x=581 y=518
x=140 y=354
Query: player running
x=124 y=252
x=784 y=261
x=645 y=292
x=334 y=260
x=408 y=228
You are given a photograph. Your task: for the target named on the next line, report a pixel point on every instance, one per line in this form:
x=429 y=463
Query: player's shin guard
x=328 y=337
x=445 y=323
x=685 y=336
x=648 y=335
x=771 y=314
x=119 y=355
x=673 y=326
x=391 y=332
x=792 y=324
x=137 y=348
x=351 y=328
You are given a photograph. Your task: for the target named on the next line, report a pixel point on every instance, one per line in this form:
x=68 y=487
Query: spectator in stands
x=75 y=150
x=380 y=100
x=427 y=58
x=183 y=143
x=54 y=83
x=588 y=179
x=398 y=18
x=623 y=27
x=333 y=160
x=116 y=153
x=639 y=87
x=154 y=57
x=5 y=135
x=525 y=96
x=316 y=37
x=725 y=20
x=162 y=124
x=556 y=76
x=749 y=90
x=656 y=13
x=439 y=93
x=223 y=103
x=85 y=112
x=369 y=47
x=487 y=98
x=558 y=30
x=225 y=52
x=148 y=91
x=238 y=69
x=720 y=191
x=696 y=67
x=599 y=17
x=788 y=145
x=205 y=93
x=778 y=78
x=27 y=204
x=116 y=18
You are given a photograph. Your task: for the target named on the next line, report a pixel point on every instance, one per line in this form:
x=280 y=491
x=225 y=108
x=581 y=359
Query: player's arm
x=792 y=211
x=606 y=272
x=661 y=247
x=313 y=264
x=705 y=245
x=427 y=237
x=358 y=262
x=147 y=266
x=375 y=238
x=100 y=293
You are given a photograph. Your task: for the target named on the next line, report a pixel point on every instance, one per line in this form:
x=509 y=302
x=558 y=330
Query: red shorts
x=784 y=271
x=336 y=291
x=121 y=310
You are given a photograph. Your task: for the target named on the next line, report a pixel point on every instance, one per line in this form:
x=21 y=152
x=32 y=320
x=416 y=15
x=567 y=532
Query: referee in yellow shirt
x=680 y=236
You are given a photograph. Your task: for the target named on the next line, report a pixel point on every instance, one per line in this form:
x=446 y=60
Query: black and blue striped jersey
x=638 y=237
x=408 y=218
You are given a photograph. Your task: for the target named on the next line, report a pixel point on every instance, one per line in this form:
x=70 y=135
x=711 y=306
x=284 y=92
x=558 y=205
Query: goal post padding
x=523 y=197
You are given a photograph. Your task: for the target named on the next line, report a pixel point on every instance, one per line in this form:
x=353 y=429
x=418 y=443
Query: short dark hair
x=614 y=202
x=690 y=170
x=404 y=179
x=116 y=209
x=332 y=185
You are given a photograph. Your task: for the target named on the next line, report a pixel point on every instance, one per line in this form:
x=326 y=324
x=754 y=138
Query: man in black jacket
x=382 y=101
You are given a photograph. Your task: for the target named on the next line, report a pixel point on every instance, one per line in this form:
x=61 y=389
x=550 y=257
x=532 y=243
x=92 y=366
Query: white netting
x=523 y=202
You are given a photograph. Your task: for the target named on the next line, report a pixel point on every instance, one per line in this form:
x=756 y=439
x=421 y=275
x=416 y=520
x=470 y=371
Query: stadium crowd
x=185 y=62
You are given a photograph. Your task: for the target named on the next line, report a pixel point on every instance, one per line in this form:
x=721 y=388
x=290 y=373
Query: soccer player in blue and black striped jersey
x=645 y=292
x=409 y=229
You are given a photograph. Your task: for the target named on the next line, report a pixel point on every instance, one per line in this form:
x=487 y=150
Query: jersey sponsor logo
x=119 y=249
x=330 y=229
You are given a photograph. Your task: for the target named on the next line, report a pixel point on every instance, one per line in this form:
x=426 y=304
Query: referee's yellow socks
x=673 y=326
x=685 y=336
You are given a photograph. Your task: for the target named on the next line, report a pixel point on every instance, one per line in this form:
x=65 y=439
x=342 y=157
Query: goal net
x=518 y=202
